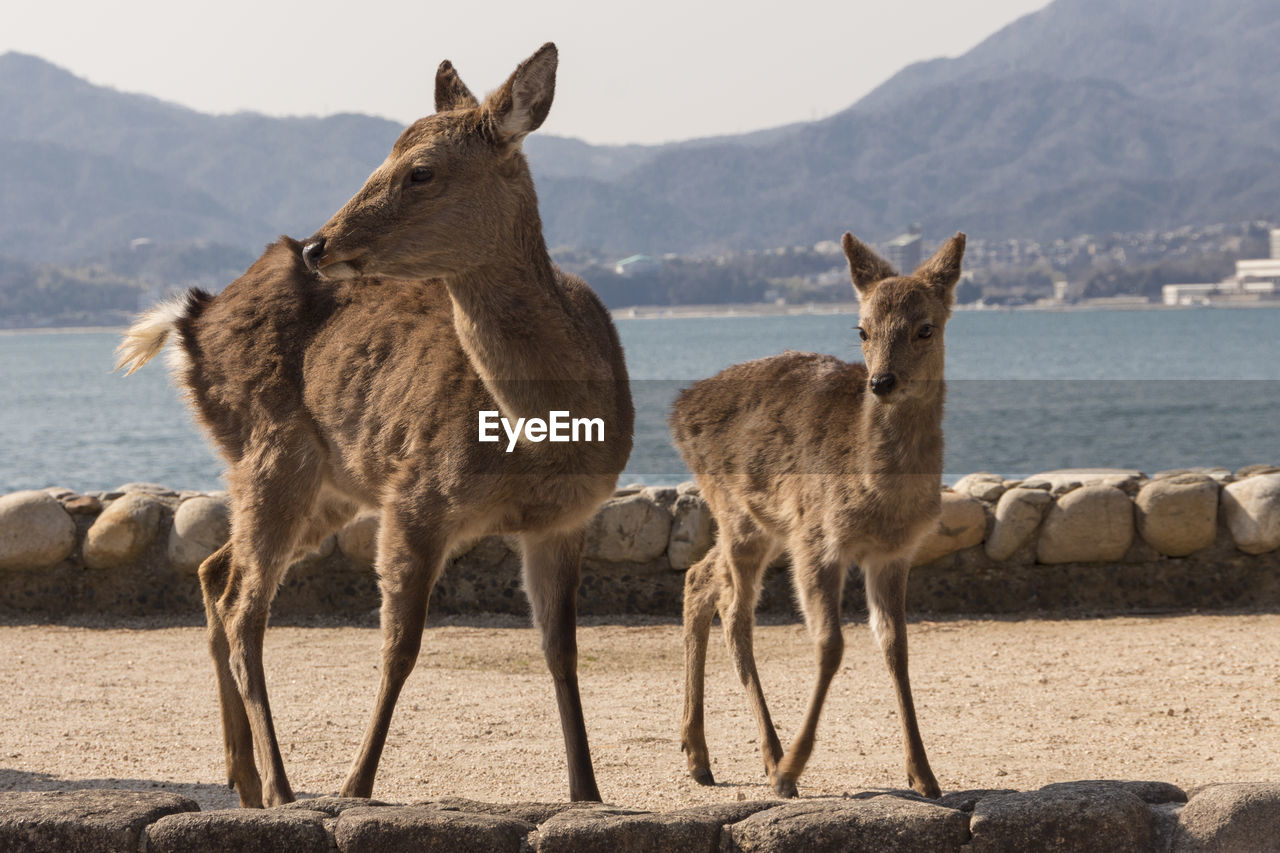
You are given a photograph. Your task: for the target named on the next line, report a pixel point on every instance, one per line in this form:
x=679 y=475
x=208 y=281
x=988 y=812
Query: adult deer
x=328 y=387
x=836 y=463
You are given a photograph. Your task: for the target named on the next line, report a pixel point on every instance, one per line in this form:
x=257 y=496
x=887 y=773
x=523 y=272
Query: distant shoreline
x=815 y=309
x=767 y=309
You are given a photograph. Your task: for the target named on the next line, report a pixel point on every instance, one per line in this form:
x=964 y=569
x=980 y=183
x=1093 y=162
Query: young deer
x=836 y=463
x=351 y=372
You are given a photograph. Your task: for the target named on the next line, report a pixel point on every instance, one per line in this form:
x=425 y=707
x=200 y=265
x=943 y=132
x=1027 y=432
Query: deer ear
x=451 y=92
x=866 y=268
x=520 y=105
x=942 y=271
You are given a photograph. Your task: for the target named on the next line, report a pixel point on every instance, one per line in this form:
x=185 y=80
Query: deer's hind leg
x=819 y=583
x=273 y=495
x=748 y=552
x=886 y=582
x=237 y=737
x=701 y=595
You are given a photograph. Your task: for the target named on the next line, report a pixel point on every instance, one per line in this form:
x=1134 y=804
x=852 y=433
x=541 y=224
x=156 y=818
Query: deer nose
x=883 y=383
x=312 y=253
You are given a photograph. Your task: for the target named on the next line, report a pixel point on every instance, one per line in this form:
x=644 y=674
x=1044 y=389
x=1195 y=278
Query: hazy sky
x=629 y=72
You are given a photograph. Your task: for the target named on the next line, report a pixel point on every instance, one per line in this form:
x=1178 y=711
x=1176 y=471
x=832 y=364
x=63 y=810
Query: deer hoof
x=926 y=788
x=702 y=775
x=784 y=787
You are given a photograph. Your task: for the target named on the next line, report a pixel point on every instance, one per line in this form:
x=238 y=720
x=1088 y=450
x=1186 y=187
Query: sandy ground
x=1187 y=699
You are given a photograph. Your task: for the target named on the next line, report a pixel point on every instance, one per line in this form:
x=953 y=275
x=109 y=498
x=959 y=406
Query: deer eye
x=862 y=333
x=926 y=331
x=421 y=174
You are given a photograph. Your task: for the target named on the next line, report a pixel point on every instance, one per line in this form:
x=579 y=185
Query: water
x=1027 y=392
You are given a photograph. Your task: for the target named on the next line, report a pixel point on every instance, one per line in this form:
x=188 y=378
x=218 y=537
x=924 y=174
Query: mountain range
x=1089 y=116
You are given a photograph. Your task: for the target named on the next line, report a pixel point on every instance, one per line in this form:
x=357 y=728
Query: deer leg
x=237 y=737
x=407 y=575
x=737 y=606
x=701 y=591
x=552 y=570
x=820 y=587
x=273 y=492
x=887 y=605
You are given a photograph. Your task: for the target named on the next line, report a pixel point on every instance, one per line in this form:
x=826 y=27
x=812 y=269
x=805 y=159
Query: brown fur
x=351 y=372
x=796 y=453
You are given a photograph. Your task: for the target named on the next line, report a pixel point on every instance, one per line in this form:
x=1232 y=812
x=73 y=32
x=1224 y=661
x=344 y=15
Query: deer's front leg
x=408 y=567
x=552 y=569
x=887 y=604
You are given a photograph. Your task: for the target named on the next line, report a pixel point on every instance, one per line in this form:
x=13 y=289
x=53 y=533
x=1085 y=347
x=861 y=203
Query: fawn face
x=454 y=188
x=902 y=318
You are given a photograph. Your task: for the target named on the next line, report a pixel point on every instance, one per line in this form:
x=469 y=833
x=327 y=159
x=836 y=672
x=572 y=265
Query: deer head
x=901 y=319
x=454 y=190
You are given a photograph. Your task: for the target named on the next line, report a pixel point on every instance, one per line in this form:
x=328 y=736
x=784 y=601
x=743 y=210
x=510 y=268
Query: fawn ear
x=520 y=105
x=451 y=92
x=942 y=271
x=866 y=268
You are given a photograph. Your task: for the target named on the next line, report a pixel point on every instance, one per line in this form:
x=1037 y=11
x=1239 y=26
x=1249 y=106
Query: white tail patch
x=148 y=335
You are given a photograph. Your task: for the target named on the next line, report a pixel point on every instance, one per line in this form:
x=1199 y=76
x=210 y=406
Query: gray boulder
x=1178 y=515
x=426 y=829
x=35 y=531
x=1219 y=475
x=1067 y=818
x=359 y=539
x=982 y=485
x=242 y=830
x=1251 y=510
x=82 y=821
x=610 y=830
x=1256 y=469
x=200 y=526
x=633 y=529
x=883 y=824
x=963 y=524
x=1093 y=524
x=1062 y=480
x=691 y=531
x=1238 y=818
x=123 y=532
x=1018 y=514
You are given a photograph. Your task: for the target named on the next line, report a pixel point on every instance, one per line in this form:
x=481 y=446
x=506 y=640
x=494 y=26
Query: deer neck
x=515 y=324
x=905 y=438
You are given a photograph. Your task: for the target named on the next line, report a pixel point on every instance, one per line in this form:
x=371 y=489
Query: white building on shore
x=1255 y=281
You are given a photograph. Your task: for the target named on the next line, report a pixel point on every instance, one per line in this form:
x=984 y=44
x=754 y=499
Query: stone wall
x=1071 y=817
x=1075 y=540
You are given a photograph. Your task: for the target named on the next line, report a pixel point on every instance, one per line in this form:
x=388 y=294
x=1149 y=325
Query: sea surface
x=1027 y=391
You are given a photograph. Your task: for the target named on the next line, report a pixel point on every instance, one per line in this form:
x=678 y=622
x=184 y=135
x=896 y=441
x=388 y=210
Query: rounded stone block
x=1091 y=524
x=1251 y=510
x=123 y=532
x=200 y=526
x=88 y=820
x=691 y=531
x=1178 y=515
x=1068 y=819
x=963 y=524
x=1240 y=818
x=1018 y=514
x=628 y=530
x=35 y=531
x=982 y=485
x=276 y=830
